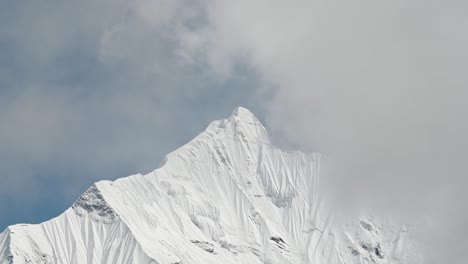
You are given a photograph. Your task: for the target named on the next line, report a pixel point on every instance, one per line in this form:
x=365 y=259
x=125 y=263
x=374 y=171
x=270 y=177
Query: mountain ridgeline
x=227 y=196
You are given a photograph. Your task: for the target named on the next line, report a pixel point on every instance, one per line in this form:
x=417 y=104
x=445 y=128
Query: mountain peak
x=243 y=123
x=242 y=112
x=227 y=196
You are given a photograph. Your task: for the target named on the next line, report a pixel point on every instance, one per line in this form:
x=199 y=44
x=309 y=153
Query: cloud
x=379 y=87
x=98 y=90
x=94 y=90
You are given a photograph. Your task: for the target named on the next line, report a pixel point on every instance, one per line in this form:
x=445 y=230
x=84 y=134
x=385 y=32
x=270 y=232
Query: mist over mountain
x=227 y=196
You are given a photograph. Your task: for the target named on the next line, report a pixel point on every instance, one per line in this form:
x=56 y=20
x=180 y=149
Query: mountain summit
x=227 y=196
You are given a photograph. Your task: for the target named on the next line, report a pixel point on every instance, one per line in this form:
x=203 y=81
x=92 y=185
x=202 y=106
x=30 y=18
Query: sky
x=93 y=90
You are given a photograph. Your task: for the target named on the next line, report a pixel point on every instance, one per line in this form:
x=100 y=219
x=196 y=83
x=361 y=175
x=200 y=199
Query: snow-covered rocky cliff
x=228 y=196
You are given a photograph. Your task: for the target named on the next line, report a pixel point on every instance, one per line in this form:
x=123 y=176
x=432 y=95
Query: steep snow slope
x=228 y=196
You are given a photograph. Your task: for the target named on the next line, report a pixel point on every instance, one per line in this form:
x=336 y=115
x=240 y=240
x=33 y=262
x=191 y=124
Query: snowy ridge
x=227 y=196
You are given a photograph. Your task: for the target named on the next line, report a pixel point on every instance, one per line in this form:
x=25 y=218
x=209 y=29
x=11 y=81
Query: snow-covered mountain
x=227 y=196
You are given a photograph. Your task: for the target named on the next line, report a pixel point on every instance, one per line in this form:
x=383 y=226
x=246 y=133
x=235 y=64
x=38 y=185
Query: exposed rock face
x=228 y=196
x=92 y=203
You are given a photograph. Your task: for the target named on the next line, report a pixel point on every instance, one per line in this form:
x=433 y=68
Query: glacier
x=227 y=196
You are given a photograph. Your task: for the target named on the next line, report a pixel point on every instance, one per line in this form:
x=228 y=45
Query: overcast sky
x=94 y=90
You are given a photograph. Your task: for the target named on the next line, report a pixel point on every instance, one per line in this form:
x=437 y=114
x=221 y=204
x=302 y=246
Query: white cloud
x=378 y=86
x=97 y=90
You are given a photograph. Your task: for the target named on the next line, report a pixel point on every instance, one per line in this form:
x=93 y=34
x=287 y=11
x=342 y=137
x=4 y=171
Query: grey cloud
x=98 y=90
x=377 y=86
x=380 y=87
